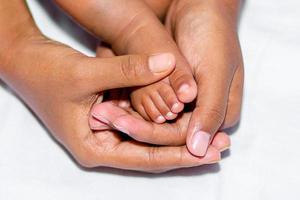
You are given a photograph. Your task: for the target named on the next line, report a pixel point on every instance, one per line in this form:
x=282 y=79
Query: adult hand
x=61 y=85
x=206 y=33
x=116 y=114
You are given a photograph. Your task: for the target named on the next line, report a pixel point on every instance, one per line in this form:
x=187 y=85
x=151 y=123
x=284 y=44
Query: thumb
x=211 y=106
x=127 y=71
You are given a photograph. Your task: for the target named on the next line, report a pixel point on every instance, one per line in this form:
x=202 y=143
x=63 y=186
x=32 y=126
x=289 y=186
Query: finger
x=132 y=155
x=208 y=116
x=138 y=128
x=124 y=71
x=98 y=125
x=166 y=134
x=235 y=100
x=221 y=141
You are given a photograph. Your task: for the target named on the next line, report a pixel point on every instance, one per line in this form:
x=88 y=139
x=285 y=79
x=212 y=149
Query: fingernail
x=199 y=143
x=161 y=62
x=119 y=128
x=101 y=118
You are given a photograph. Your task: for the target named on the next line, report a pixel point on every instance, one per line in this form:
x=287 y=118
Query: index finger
x=140 y=129
x=132 y=124
x=131 y=155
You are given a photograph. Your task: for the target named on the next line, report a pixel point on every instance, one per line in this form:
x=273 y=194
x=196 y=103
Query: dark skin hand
x=206 y=33
x=62 y=85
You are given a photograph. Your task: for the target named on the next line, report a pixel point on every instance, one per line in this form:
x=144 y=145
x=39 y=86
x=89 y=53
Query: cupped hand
x=206 y=34
x=61 y=85
x=115 y=113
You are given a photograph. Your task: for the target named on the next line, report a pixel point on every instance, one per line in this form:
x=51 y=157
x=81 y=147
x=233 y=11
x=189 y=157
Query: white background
x=263 y=163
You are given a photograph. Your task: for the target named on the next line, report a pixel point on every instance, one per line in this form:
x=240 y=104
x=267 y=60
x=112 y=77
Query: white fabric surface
x=264 y=160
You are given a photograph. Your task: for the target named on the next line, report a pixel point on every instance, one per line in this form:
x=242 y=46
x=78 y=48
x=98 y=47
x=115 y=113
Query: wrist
x=15 y=29
x=13 y=45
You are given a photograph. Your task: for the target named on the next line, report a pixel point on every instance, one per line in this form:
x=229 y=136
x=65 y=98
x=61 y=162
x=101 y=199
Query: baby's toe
x=183 y=83
x=170 y=98
x=137 y=104
x=162 y=106
x=152 y=111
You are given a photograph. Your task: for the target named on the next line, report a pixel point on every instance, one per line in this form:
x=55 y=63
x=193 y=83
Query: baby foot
x=157 y=102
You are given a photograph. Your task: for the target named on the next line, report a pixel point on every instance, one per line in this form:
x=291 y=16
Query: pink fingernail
x=161 y=62
x=199 y=143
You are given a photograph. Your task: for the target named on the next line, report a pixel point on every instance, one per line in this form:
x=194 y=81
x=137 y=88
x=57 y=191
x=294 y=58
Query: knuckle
x=131 y=67
x=215 y=114
x=84 y=152
x=84 y=160
x=232 y=118
x=153 y=158
x=180 y=157
x=154 y=136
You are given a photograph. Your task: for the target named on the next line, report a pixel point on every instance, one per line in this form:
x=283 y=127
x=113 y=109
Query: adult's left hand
x=206 y=33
